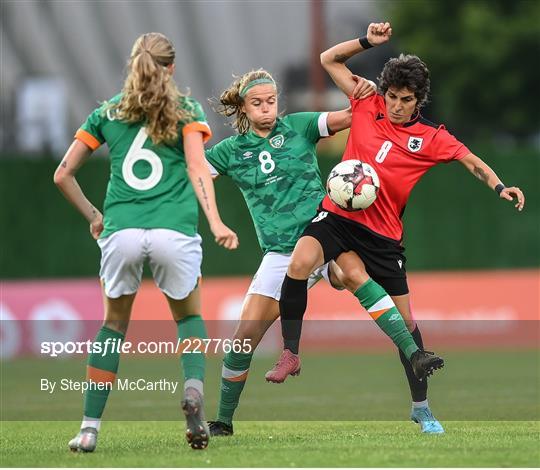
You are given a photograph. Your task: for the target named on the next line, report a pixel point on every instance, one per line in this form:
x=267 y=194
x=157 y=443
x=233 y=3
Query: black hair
x=406 y=71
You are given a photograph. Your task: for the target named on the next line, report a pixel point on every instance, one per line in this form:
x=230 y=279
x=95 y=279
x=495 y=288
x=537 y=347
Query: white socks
x=420 y=404
x=194 y=383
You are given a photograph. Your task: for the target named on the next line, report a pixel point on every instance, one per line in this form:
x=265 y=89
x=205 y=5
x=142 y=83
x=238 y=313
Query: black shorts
x=383 y=257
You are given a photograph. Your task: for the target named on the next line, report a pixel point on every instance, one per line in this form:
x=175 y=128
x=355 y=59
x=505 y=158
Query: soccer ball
x=352 y=185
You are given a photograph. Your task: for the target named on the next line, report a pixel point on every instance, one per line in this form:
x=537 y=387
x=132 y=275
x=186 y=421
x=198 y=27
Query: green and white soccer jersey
x=278 y=176
x=149 y=186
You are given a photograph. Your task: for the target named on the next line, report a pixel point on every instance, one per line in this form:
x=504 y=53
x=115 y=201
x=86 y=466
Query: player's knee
x=352 y=279
x=300 y=268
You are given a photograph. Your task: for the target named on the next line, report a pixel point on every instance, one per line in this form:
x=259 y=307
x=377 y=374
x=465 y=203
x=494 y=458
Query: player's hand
x=363 y=88
x=96 y=225
x=512 y=192
x=378 y=33
x=224 y=236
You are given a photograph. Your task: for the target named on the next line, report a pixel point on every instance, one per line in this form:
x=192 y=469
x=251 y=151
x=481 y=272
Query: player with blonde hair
x=273 y=161
x=156 y=141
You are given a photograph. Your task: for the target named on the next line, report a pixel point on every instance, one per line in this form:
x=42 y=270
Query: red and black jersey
x=400 y=154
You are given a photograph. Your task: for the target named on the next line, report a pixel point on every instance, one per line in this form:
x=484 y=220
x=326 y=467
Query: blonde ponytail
x=150 y=94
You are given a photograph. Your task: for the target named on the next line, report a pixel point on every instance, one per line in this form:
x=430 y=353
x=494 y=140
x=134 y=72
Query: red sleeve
x=446 y=147
x=366 y=104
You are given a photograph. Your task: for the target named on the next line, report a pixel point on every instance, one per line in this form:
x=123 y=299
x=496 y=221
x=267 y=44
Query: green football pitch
x=344 y=410
x=283 y=444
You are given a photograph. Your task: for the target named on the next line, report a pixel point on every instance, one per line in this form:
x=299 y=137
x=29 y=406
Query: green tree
x=484 y=61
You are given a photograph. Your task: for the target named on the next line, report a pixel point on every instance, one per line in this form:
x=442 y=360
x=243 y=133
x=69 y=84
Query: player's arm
x=484 y=173
x=333 y=60
x=339 y=120
x=201 y=180
x=64 y=178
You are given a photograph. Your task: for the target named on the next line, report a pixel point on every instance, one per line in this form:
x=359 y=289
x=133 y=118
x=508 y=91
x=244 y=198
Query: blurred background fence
x=451 y=222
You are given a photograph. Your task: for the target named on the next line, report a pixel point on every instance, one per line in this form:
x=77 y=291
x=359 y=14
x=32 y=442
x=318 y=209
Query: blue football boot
x=428 y=423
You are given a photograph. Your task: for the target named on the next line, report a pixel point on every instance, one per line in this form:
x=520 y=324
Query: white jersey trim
x=212 y=169
x=323 y=125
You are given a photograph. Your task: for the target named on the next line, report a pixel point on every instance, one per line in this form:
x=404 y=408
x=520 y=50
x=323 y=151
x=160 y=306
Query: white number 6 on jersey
x=136 y=153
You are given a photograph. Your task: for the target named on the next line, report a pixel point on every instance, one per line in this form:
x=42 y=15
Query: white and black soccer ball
x=352 y=185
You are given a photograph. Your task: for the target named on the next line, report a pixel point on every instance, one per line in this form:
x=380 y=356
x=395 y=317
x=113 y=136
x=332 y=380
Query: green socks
x=103 y=365
x=381 y=308
x=193 y=363
x=233 y=378
x=101 y=371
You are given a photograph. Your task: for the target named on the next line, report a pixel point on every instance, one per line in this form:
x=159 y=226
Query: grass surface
x=283 y=444
x=473 y=386
x=357 y=406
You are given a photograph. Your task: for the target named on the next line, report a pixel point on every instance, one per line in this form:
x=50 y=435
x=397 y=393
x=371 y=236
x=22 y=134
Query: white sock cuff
x=194 y=383
x=91 y=423
x=420 y=404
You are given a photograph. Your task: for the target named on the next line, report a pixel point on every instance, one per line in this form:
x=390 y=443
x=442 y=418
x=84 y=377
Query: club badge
x=415 y=143
x=277 y=141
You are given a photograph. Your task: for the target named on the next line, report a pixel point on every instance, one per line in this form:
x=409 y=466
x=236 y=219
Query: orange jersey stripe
x=87 y=138
x=198 y=127
x=378 y=313
x=99 y=375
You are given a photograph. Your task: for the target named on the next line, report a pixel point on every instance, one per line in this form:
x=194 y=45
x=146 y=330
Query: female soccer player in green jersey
x=273 y=161
x=158 y=171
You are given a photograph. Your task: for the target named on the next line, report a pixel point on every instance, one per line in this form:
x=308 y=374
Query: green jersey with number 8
x=278 y=176
x=149 y=186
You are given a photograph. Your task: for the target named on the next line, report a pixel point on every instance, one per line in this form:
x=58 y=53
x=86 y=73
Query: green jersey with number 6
x=149 y=186
x=278 y=176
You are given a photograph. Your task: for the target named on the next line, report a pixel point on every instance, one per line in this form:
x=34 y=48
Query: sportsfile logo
x=117 y=346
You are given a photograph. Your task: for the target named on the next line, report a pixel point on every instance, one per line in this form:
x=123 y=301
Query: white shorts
x=269 y=277
x=174 y=259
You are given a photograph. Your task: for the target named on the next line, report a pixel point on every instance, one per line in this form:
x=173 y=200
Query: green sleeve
x=197 y=119
x=219 y=155
x=93 y=126
x=307 y=124
x=196 y=110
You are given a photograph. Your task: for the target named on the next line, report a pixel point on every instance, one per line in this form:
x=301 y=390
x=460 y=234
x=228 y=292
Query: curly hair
x=230 y=101
x=406 y=71
x=149 y=94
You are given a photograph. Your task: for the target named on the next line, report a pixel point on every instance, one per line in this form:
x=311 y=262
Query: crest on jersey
x=111 y=115
x=415 y=143
x=277 y=141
